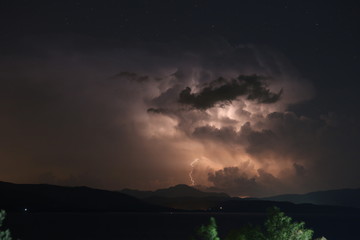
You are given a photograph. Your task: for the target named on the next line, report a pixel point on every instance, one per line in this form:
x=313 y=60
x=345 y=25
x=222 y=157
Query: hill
x=51 y=198
x=180 y=197
x=43 y=197
x=340 y=197
x=261 y=206
x=180 y=190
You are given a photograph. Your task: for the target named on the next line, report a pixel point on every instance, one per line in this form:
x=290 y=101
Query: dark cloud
x=130 y=76
x=237 y=182
x=224 y=91
x=283 y=134
x=299 y=170
x=295 y=154
x=156 y=110
x=233 y=181
x=224 y=135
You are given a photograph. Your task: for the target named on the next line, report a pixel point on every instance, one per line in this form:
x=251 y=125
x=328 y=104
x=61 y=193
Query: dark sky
x=249 y=97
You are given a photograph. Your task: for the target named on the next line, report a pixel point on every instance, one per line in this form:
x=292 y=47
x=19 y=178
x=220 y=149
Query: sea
x=167 y=225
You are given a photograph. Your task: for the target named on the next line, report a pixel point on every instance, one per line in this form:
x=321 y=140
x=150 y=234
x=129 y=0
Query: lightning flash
x=191 y=171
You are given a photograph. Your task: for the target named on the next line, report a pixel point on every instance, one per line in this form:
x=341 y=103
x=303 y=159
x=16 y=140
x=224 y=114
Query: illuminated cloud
x=138 y=116
x=238 y=182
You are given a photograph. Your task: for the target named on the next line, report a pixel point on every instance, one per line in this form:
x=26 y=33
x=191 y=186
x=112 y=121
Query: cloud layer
x=137 y=116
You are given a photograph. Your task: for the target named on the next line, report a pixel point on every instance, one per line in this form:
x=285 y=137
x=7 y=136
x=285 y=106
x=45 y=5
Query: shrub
x=281 y=227
x=208 y=232
x=278 y=226
x=246 y=233
x=4 y=234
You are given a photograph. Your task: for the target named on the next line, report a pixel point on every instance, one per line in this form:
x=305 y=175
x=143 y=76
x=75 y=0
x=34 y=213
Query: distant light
x=220 y=208
x=25 y=209
x=244 y=196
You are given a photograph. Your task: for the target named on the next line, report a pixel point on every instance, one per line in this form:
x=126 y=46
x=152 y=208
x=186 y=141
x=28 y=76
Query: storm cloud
x=121 y=115
x=223 y=91
x=237 y=182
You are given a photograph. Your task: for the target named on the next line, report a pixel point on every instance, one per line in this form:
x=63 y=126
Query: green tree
x=4 y=234
x=248 y=232
x=281 y=227
x=278 y=226
x=208 y=232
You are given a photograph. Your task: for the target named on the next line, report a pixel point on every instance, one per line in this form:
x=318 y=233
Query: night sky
x=253 y=98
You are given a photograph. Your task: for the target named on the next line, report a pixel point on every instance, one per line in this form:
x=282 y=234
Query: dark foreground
x=68 y=226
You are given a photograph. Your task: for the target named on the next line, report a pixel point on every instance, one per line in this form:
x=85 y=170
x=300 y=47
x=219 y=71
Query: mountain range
x=44 y=197
x=52 y=198
x=180 y=190
x=180 y=197
x=340 y=197
x=189 y=198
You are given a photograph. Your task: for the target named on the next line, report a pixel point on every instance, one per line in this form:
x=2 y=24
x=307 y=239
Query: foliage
x=4 y=235
x=280 y=227
x=208 y=232
x=246 y=233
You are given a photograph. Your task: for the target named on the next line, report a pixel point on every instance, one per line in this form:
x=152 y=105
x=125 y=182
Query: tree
x=208 y=232
x=280 y=227
x=248 y=232
x=4 y=235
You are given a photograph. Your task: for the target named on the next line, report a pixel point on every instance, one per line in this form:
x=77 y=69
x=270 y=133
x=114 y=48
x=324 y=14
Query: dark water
x=89 y=226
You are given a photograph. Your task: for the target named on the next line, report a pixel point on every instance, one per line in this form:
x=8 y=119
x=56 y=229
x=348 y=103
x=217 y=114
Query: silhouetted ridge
x=340 y=197
x=43 y=197
x=181 y=190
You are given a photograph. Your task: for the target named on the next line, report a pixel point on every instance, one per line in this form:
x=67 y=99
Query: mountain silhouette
x=180 y=197
x=44 y=197
x=52 y=198
x=180 y=190
x=262 y=206
x=340 y=197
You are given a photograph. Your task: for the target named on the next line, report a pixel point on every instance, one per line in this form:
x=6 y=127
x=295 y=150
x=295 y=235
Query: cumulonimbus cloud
x=138 y=116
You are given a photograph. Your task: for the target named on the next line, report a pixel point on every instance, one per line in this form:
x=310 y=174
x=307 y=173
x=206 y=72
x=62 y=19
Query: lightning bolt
x=191 y=171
